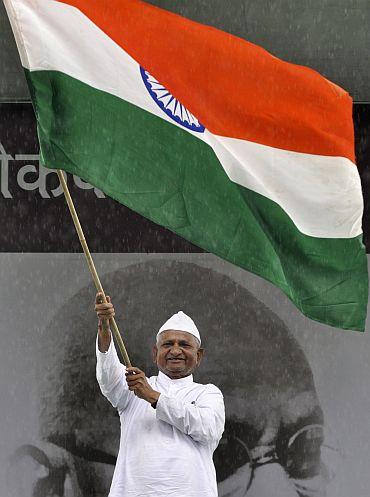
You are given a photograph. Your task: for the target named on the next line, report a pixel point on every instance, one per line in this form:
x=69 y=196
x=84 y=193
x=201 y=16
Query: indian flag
x=245 y=155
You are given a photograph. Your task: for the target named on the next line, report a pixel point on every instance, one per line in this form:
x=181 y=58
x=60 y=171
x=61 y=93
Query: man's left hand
x=138 y=383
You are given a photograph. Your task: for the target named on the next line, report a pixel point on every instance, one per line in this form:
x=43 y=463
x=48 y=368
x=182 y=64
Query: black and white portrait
x=278 y=436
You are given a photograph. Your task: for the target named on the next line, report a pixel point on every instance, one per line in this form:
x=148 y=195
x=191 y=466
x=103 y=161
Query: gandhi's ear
x=154 y=354
x=42 y=463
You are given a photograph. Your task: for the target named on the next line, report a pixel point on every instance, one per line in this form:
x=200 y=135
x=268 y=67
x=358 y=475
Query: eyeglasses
x=299 y=454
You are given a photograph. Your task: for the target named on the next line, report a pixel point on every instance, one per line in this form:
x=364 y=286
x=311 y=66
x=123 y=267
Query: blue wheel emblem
x=169 y=104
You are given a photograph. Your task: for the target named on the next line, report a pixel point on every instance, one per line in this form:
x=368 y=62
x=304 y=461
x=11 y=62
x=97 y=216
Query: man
x=170 y=425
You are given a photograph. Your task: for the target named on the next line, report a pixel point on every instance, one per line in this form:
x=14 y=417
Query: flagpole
x=91 y=265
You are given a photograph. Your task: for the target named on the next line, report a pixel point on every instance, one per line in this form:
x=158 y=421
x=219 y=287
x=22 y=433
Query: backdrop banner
x=299 y=385
x=34 y=216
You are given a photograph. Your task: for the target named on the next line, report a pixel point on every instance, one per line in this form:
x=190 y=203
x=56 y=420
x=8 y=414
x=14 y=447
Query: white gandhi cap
x=180 y=322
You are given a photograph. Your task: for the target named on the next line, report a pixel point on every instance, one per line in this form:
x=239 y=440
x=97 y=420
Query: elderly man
x=170 y=425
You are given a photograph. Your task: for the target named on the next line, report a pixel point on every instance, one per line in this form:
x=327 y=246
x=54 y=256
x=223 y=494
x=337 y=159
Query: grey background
x=331 y=36
x=34 y=287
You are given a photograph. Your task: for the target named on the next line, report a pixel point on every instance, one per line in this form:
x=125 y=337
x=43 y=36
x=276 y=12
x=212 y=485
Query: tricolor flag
x=245 y=155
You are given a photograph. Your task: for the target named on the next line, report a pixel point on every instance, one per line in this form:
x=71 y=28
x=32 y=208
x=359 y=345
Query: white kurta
x=165 y=451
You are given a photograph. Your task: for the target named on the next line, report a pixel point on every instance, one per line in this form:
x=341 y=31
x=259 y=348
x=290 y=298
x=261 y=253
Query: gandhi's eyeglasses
x=300 y=454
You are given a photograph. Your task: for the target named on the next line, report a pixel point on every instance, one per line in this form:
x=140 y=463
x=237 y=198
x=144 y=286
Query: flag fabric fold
x=244 y=155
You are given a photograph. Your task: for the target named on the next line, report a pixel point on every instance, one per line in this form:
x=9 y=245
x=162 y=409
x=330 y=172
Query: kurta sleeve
x=110 y=374
x=203 y=420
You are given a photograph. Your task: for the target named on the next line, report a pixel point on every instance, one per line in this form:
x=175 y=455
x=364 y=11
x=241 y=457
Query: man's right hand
x=104 y=311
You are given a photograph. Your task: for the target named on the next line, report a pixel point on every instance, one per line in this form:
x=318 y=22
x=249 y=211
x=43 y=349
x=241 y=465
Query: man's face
x=177 y=353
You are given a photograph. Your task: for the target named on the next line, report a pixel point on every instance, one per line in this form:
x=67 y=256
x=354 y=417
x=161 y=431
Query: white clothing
x=180 y=322
x=167 y=451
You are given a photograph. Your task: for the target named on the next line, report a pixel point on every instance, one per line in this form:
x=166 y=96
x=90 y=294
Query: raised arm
x=110 y=373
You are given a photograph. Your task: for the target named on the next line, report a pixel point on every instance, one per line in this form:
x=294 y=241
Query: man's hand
x=138 y=383
x=105 y=312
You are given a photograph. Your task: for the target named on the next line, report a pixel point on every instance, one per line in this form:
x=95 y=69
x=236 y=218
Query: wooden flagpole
x=91 y=265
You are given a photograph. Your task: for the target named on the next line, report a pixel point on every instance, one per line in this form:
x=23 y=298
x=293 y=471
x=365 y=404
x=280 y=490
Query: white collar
x=179 y=382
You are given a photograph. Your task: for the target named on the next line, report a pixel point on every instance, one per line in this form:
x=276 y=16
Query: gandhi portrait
x=274 y=422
